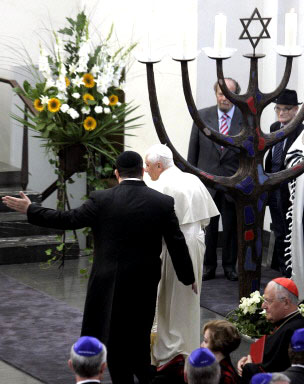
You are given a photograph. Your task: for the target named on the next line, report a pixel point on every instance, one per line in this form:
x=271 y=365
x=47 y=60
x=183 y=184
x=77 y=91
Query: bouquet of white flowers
x=249 y=317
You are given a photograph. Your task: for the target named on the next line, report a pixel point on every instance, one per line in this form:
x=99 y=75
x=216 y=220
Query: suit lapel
x=212 y=122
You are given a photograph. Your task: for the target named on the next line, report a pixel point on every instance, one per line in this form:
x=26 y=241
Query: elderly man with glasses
x=286 y=109
x=281 y=307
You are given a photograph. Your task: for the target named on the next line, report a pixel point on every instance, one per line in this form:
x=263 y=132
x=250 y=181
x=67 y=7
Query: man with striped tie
x=223 y=161
x=286 y=108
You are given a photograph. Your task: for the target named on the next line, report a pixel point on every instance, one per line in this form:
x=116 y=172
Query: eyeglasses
x=284 y=110
x=270 y=301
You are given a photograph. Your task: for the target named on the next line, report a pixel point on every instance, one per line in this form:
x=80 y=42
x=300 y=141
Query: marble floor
x=70 y=287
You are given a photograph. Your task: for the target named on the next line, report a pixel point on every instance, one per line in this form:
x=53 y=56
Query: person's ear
x=70 y=364
x=116 y=174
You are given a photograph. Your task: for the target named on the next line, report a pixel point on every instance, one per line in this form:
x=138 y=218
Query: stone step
x=9 y=175
x=35 y=197
x=31 y=249
x=13 y=224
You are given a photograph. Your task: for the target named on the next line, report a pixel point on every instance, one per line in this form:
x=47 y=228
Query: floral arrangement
x=78 y=92
x=249 y=317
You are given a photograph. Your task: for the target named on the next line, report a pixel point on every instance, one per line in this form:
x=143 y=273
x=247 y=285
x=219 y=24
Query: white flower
x=64 y=108
x=44 y=100
x=73 y=113
x=60 y=84
x=85 y=110
x=62 y=96
x=107 y=110
x=118 y=104
x=72 y=68
x=49 y=83
x=105 y=100
x=76 y=95
x=98 y=109
x=95 y=70
x=77 y=81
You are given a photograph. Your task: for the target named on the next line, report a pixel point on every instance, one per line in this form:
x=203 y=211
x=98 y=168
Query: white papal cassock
x=177 y=320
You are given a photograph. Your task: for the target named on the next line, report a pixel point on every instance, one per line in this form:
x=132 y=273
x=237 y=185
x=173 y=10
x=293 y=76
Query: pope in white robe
x=294 y=252
x=177 y=319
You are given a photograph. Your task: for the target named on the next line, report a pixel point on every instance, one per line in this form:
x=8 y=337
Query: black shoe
x=209 y=274
x=231 y=275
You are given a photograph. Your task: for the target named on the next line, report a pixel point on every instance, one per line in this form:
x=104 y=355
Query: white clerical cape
x=177 y=320
x=295 y=251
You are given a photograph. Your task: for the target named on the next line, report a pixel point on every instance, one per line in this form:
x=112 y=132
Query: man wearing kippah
x=270 y=378
x=296 y=356
x=202 y=368
x=128 y=223
x=286 y=108
x=88 y=360
x=281 y=306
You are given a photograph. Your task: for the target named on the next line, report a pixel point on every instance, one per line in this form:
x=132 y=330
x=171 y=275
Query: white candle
x=220 y=24
x=291 y=29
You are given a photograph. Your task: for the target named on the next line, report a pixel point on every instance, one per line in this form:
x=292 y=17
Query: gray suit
x=210 y=157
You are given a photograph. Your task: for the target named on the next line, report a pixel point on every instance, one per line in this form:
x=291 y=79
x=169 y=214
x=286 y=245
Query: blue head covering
x=201 y=357
x=297 y=340
x=88 y=346
x=261 y=378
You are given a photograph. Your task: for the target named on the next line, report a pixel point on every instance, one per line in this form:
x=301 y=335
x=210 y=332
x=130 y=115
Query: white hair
x=160 y=153
x=282 y=292
x=88 y=366
x=279 y=377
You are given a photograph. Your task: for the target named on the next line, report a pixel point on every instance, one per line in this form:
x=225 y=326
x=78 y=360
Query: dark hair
x=224 y=338
x=296 y=357
x=129 y=164
x=130 y=172
x=237 y=85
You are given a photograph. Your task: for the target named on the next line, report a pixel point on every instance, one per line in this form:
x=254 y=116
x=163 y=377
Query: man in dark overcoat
x=128 y=223
x=286 y=109
x=210 y=157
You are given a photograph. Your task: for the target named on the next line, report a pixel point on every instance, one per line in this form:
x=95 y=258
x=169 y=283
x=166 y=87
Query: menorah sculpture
x=250 y=185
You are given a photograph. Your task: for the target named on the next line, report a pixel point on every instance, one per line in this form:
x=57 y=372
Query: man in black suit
x=222 y=161
x=88 y=360
x=296 y=356
x=128 y=224
x=286 y=108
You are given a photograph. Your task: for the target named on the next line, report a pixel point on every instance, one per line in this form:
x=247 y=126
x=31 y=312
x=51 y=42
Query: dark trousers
x=129 y=339
x=229 y=221
x=280 y=228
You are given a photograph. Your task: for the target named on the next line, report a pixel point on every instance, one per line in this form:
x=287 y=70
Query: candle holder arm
x=274 y=179
x=274 y=137
x=269 y=97
x=219 y=138
x=213 y=181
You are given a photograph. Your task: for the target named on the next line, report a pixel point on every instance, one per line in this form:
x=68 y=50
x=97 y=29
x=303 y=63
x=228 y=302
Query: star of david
x=254 y=40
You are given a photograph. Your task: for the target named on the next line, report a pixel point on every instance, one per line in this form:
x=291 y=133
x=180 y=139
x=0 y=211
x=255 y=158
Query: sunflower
x=89 y=123
x=86 y=97
x=88 y=80
x=67 y=81
x=54 y=105
x=113 y=100
x=38 y=105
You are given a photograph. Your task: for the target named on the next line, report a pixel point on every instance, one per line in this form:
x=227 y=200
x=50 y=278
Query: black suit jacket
x=208 y=156
x=268 y=162
x=128 y=224
x=296 y=374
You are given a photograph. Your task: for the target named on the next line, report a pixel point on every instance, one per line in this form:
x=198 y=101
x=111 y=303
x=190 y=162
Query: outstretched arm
x=18 y=204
